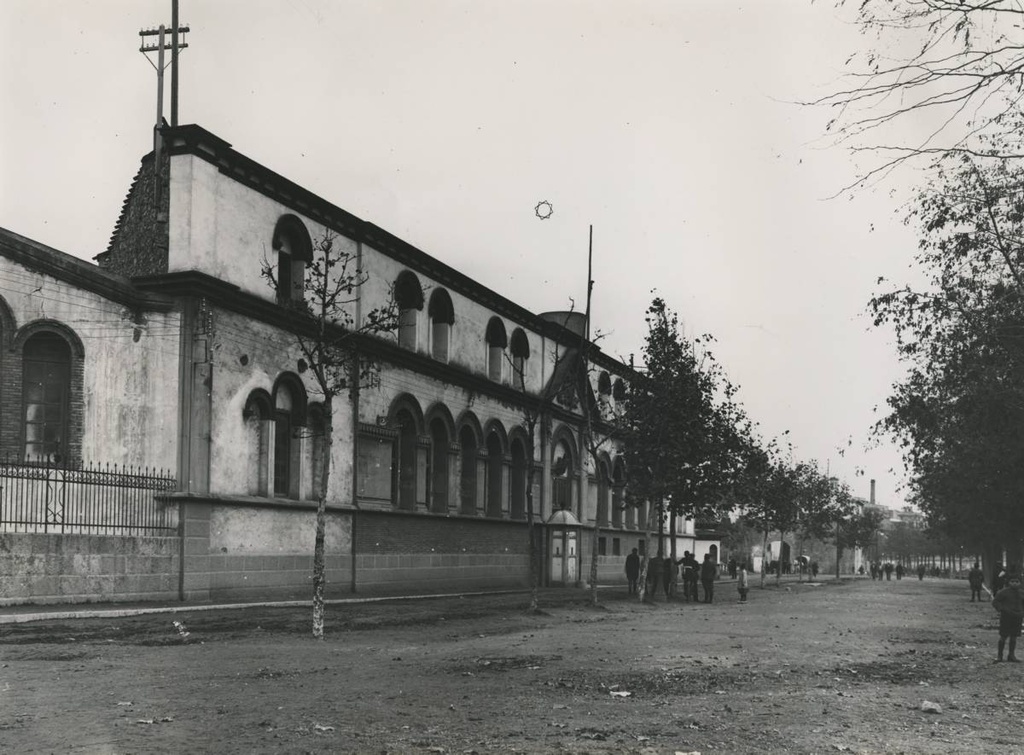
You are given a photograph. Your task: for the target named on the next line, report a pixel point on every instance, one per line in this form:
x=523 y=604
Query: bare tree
x=321 y=305
x=955 y=65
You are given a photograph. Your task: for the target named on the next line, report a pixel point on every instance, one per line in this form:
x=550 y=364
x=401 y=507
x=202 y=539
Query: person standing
x=741 y=582
x=707 y=577
x=888 y=570
x=654 y=569
x=669 y=575
x=633 y=570
x=691 y=574
x=976 y=578
x=998 y=577
x=899 y=570
x=732 y=568
x=1010 y=604
x=920 y=572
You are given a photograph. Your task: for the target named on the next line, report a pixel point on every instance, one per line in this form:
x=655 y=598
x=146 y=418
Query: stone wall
x=48 y=568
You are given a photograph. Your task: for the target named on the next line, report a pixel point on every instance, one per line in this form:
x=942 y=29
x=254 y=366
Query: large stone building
x=175 y=353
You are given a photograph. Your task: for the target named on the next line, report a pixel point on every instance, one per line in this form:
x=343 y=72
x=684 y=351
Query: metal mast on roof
x=161 y=45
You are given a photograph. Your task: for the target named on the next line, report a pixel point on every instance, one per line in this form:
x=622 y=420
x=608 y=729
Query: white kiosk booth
x=563 y=548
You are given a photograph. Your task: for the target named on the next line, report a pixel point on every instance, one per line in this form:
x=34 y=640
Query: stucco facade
x=188 y=359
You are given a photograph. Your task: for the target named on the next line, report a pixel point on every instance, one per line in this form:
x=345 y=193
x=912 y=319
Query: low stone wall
x=50 y=568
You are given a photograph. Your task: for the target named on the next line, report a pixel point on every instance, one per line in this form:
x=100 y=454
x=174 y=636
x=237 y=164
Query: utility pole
x=161 y=45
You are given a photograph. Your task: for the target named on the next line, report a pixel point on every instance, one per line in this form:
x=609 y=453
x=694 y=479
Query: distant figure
x=669 y=569
x=860 y=570
x=874 y=570
x=976 y=578
x=732 y=568
x=691 y=575
x=814 y=569
x=707 y=578
x=998 y=577
x=741 y=582
x=888 y=570
x=920 y=572
x=654 y=568
x=899 y=570
x=1010 y=604
x=633 y=570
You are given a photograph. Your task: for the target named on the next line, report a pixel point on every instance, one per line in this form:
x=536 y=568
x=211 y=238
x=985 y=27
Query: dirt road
x=803 y=669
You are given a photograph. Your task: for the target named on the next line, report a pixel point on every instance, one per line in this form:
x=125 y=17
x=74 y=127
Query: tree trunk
x=642 y=587
x=782 y=544
x=319 y=565
x=533 y=550
x=593 y=561
x=764 y=557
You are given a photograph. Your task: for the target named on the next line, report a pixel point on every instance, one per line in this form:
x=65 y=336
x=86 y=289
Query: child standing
x=1010 y=604
x=741 y=583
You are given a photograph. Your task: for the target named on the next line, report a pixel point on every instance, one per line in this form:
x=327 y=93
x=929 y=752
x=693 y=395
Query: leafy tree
x=684 y=436
x=327 y=335
x=959 y=412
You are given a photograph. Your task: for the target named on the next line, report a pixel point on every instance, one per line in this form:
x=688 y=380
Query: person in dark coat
x=708 y=571
x=1010 y=604
x=669 y=575
x=976 y=578
x=732 y=568
x=888 y=570
x=691 y=575
x=654 y=571
x=633 y=570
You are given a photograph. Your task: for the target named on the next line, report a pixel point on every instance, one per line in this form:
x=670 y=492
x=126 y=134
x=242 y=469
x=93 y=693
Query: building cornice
x=85 y=275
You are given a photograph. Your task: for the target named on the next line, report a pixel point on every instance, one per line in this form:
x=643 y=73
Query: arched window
x=496 y=343
x=619 y=389
x=561 y=474
x=409 y=298
x=467 y=475
x=442 y=317
x=604 y=384
x=46 y=393
x=517 y=488
x=294 y=252
x=438 y=473
x=520 y=353
x=495 y=474
x=289 y=416
x=406 y=449
x=258 y=418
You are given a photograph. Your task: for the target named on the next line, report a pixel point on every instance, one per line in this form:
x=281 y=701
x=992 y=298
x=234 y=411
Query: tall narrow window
x=442 y=317
x=258 y=418
x=602 y=494
x=406 y=464
x=561 y=473
x=467 y=477
x=618 y=492
x=283 y=441
x=294 y=252
x=496 y=343
x=520 y=353
x=409 y=298
x=495 y=476
x=46 y=387
x=518 y=483
x=438 y=466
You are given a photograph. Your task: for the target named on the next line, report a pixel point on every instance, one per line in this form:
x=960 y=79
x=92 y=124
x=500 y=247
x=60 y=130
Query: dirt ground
x=805 y=668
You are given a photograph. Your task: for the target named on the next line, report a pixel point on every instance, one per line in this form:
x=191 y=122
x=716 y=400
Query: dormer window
x=294 y=252
x=496 y=343
x=442 y=317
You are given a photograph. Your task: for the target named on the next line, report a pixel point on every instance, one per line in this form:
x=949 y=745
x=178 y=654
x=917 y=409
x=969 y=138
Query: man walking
x=976 y=578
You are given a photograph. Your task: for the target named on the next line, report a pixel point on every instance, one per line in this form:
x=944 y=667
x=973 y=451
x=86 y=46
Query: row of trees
x=959 y=411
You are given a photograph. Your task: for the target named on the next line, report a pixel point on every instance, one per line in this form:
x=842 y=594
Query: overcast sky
x=668 y=126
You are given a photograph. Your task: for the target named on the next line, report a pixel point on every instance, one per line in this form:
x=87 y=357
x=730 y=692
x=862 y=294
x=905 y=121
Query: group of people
x=663 y=571
x=879 y=570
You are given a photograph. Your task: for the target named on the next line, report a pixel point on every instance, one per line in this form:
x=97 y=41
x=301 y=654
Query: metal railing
x=90 y=499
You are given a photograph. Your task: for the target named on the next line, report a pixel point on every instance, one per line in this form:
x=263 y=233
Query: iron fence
x=84 y=499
